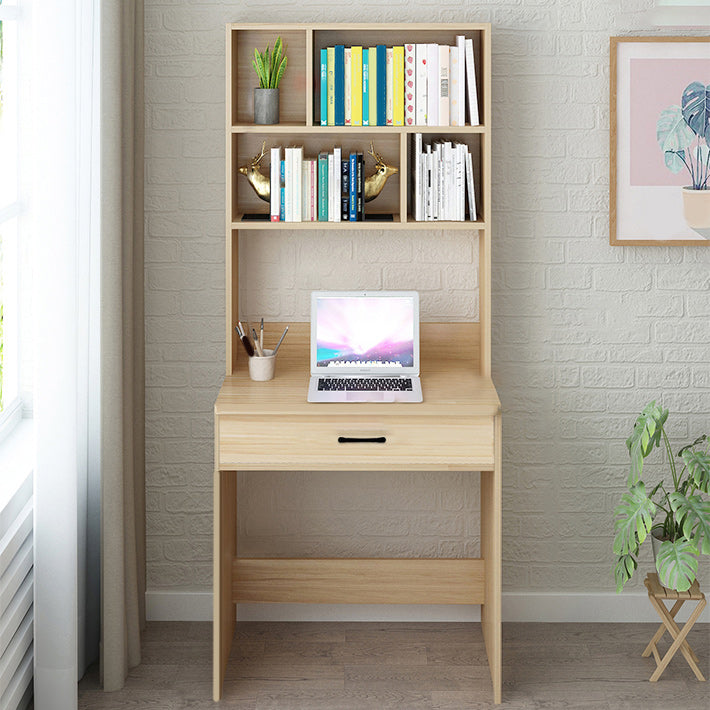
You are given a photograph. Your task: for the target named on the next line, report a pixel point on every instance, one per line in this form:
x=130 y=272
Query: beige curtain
x=122 y=341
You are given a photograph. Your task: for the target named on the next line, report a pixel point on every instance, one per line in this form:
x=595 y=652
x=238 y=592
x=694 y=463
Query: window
x=9 y=215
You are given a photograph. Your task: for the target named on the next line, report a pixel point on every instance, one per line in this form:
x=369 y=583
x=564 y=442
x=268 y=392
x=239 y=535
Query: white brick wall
x=583 y=335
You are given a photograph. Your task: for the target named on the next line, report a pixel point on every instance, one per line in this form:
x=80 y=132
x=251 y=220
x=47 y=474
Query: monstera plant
x=677 y=512
x=683 y=133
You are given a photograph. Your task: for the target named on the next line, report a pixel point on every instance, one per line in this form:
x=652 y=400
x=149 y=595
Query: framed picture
x=659 y=160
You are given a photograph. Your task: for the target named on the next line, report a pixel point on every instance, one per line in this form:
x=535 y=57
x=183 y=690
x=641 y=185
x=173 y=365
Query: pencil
x=283 y=335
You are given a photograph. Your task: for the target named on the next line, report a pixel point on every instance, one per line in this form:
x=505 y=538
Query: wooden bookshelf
x=458 y=427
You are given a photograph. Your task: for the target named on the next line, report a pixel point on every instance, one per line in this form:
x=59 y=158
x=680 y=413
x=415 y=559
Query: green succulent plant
x=270 y=66
x=683 y=512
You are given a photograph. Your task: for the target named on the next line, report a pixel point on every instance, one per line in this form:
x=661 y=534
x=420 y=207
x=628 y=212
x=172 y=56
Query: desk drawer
x=291 y=443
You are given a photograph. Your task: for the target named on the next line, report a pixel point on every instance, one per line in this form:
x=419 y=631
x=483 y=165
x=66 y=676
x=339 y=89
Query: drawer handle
x=362 y=440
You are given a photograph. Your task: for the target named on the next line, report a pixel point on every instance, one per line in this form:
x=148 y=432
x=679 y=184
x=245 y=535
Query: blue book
x=381 y=85
x=365 y=87
x=282 y=205
x=352 y=212
x=323 y=187
x=324 y=87
x=344 y=190
x=339 y=90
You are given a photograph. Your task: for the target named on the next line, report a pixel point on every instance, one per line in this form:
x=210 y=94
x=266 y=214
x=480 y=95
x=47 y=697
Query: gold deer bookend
x=262 y=183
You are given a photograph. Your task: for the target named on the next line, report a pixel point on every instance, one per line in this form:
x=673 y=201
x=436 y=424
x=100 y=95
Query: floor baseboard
x=517 y=606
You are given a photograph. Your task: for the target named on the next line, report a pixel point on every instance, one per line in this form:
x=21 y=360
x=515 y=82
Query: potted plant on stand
x=683 y=133
x=676 y=513
x=270 y=68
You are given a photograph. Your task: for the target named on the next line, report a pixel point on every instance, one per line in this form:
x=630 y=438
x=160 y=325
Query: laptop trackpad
x=369 y=397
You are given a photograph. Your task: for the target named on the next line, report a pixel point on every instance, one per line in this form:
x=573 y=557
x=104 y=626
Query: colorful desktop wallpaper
x=365 y=331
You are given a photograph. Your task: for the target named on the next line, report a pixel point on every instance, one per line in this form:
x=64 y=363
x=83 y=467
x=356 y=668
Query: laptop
x=365 y=347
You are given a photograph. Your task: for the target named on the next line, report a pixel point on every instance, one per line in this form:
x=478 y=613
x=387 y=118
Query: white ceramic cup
x=262 y=369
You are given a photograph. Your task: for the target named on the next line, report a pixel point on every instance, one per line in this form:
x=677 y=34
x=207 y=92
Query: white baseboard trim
x=517 y=606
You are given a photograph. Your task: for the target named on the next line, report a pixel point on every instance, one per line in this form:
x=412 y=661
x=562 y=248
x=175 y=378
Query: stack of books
x=405 y=85
x=443 y=181
x=329 y=188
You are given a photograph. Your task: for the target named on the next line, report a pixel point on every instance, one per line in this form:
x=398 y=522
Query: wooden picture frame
x=647 y=76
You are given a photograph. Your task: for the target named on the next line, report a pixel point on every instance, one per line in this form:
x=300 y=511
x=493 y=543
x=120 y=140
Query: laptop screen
x=371 y=331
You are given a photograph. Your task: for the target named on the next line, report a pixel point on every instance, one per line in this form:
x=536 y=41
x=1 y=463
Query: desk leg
x=491 y=532
x=224 y=615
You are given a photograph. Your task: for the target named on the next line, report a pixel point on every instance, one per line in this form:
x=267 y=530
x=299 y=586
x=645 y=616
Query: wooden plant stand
x=656 y=594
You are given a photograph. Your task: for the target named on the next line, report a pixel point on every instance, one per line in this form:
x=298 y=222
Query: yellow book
x=356 y=86
x=372 y=55
x=398 y=86
x=331 y=86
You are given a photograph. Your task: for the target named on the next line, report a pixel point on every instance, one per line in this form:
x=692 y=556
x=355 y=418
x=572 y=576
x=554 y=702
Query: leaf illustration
x=672 y=131
x=674 y=160
x=695 y=106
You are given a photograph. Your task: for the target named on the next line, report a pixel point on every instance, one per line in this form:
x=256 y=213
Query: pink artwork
x=655 y=85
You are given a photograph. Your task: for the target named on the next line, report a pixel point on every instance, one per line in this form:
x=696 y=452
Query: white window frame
x=13 y=408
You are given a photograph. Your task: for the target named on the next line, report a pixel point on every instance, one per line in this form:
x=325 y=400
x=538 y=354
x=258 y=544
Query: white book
x=454 y=119
x=389 y=72
x=275 y=185
x=460 y=182
x=306 y=192
x=432 y=63
x=420 y=84
x=443 y=85
x=417 y=177
x=436 y=182
x=448 y=180
x=298 y=184
x=288 y=185
x=460 y=81
x=471 y=84
x=331 y=210
x=337 y=175
x=470 y=187
x=348 y=88
x=410 y=91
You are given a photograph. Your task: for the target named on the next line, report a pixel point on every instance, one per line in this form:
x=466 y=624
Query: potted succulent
x=677 y=513
x=683 y=133
x=270 y=68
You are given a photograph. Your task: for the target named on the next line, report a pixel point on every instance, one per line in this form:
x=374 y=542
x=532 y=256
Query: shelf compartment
x=292 y=94
x=374 y=225
x=247 y=145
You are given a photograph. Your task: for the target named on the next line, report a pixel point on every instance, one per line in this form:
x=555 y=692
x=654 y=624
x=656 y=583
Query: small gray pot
x=266 y=106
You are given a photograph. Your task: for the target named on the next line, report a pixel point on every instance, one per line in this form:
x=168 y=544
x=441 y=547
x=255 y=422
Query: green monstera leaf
x=673 y=133
x=645 y=436
x=625 y=567
x=677 y=564
x=695 y=108
x=634 y=518
x=698 y=463
x=694 y=513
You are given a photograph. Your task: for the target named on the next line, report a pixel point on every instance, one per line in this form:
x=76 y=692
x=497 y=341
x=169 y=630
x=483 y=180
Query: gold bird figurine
x=262 y=184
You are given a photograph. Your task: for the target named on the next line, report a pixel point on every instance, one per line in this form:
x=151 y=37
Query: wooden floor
x=363 y=666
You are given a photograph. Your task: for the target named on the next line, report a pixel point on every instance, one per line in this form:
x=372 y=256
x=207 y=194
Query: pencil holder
x=262 y=369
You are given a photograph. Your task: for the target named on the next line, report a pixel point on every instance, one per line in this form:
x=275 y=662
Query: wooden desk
x=270 y=426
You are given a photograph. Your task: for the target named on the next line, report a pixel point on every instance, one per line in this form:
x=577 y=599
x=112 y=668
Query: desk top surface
x=450 y=382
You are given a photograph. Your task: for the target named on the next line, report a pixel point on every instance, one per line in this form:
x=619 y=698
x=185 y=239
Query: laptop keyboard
x=365 y=384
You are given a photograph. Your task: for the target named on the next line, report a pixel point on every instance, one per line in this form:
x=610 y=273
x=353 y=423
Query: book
x=454 y=119
x=365 y=87
x=417 y=177
x=322 y=187
x=381 y=85
x=306 y=204
x=324 y=87
x=443 y=85
x=352 y=170
x=329 y=188
x=288 y=183
x=372 y=78
x=471 y=84
x=348 y=86
x=331 y=86
x=461 y=80
x=398 y=85
x=339 y=84
x=356 y=86
x=298 y=183
x=432 y=72
x=282 y=192
x=313 y=187
x=420 y=84
x=470 y=187
x=389 y=69
x=360 y=187
x=409 y=88
x=275 y=183
x=336 y=189
x=345 y=189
